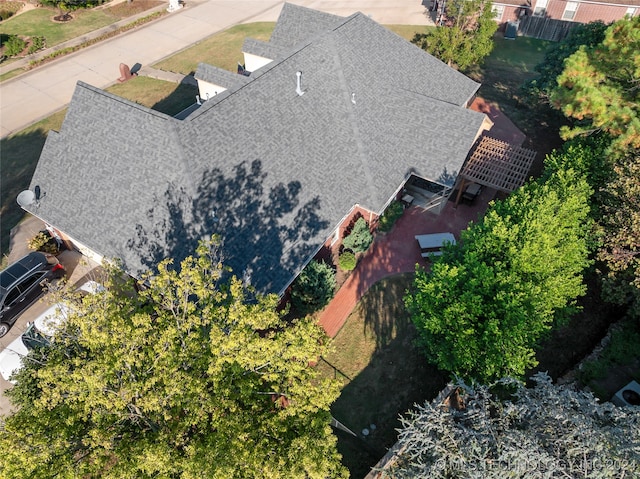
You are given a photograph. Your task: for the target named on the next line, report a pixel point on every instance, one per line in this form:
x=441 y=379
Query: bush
x=347 y=260
x=314 y=288
x=43 y=242
x=14 y=45
x=9 y=9
x=360 y=237
x=390 y=216
x=37 y=43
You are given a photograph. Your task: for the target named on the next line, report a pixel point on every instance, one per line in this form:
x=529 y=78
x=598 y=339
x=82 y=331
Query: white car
x=40 y=331
x=11 y=357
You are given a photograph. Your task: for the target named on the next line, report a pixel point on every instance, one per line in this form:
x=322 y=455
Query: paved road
x=37 y=94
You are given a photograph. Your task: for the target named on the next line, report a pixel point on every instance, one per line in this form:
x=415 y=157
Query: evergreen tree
x=544 y=432
x=599 y=86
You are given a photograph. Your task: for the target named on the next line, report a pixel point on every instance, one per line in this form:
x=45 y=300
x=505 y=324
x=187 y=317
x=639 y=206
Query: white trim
x=570 y=10
x=540 y=10
x=498 y=12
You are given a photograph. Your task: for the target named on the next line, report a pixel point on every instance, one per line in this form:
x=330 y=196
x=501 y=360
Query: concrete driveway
x=47 y=89
x=79 y=269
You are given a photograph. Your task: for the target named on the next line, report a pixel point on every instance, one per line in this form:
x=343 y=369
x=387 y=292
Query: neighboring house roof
x=527 y=3
x=268 y=170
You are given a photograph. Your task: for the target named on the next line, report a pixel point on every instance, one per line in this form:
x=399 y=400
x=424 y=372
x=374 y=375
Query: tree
x=545 y=431
x=185 y=379
x=587 y=34
x=483 y=306
x=313 y=288
x=360 y=237
x=465 y=38
x=620 y=232
x=599 y=86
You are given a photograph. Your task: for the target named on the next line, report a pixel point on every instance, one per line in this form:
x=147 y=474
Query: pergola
x=496 y=164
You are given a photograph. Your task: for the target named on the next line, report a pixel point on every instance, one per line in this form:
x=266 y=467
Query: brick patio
x=398 y=252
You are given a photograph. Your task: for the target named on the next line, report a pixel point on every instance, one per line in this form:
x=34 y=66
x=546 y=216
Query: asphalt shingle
x=270 y=171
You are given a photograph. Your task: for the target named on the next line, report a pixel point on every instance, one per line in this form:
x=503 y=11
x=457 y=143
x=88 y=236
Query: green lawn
x=407 y=31
x=503 y=74
x=38 y=21
x=224 y=49
x=21 y=151
x=383 y=374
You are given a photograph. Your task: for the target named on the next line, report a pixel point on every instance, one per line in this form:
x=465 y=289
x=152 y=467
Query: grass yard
x=383 y=374
x=407 y=31
x=21 y=151
x=502 y=75
x=224 y=49
x=38 y=21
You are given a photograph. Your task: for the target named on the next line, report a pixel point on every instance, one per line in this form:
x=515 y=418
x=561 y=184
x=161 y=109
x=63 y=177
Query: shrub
x=347 y=260
x=14 y=45
x=390 y=216
x=314 y=288
x=37 y=43
x=43 y=242
x=360 y=237
x=4 y=14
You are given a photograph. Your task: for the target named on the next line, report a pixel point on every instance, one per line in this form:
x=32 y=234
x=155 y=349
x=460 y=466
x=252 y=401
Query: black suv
x=21 y=283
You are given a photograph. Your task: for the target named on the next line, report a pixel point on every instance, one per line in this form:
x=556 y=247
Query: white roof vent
x=299 y=84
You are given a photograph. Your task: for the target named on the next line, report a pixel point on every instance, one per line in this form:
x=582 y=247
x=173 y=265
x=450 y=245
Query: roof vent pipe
x=353 y=98
x=298 y=87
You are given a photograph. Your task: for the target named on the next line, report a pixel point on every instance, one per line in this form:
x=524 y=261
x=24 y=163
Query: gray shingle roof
x=263 y=49
x=272 y=172
x=297 y=24
x=218 y=76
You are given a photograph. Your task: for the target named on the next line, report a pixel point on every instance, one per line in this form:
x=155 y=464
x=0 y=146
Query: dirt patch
x=62 y=18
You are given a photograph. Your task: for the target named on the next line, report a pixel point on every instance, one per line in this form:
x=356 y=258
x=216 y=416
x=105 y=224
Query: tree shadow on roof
x=266 y=233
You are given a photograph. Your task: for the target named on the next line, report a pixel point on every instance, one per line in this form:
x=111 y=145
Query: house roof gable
x=270 y=171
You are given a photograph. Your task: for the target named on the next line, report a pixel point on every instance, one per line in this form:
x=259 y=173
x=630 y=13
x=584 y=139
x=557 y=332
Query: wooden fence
x=544 y=28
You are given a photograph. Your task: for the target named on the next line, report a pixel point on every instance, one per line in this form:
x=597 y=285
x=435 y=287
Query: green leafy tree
x=313 y=288
x=542 y=432
x=483 y=306
x=599 y=86
x=185 y=379
x=360 y=237
x=465 y=38
x=587 y=34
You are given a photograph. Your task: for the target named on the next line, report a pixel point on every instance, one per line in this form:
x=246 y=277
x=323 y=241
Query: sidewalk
x=39 y=93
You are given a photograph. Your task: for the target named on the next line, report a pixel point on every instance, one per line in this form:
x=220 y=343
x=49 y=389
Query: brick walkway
x=397 y=252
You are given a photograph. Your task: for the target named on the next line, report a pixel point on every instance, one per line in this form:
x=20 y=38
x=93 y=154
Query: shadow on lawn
x=20 y=154
x=395 y=377
x=182 y=97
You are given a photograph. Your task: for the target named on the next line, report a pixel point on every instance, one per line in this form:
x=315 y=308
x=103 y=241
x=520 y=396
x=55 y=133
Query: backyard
x=381 y=371
x=373 y=356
